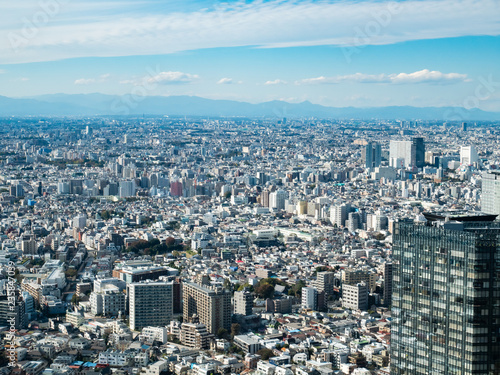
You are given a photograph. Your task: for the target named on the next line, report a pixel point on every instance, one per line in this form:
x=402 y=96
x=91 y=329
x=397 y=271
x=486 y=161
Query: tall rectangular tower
x=325 y=282
x=212 y=305
x=372 y=155
x=309 y=298
x=446 y=296
x=490 y=197
x=243 y=303
x=419 y=145
x=150 y=304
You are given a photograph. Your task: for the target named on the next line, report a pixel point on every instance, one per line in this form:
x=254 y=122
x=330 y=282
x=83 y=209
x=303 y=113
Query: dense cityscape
x=196 y=246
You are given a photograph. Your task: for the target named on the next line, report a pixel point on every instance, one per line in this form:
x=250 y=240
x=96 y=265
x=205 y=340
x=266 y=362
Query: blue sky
x=337 y=53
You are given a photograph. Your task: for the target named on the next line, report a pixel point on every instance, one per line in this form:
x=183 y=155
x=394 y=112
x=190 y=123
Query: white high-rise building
x=468 y=155
x=110 y=301
x=127 y=189
x=490 y=197
x=243 y=303
x=150 y=304
x=401 y=154
x=62 y=188
x=325 y=282
x=355 y=296
x=338 y=214
x=309 y=298
x=277 y=199
x=80 y=221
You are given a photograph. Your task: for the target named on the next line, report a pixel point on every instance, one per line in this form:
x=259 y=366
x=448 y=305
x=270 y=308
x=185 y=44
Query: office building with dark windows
x=446 y=296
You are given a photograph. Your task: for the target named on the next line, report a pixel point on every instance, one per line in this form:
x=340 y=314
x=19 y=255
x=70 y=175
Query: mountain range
x=101 y=104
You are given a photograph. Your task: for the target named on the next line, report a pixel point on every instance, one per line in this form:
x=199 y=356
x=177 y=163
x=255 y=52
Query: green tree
x=75 y=299
x=235 y=329
x=242 y=287
x=222 y=333
x=71 y=272
x=106 y=214
x=265 y=291
x=265 y=353
x=321 y=269
x=296 y=289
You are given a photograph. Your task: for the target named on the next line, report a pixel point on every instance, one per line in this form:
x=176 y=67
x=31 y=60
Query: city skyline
x=366 y=54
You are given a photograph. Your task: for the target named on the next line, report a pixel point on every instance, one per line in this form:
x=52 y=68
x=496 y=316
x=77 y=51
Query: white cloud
x=429 y=76
x=228 y=81
x=225 y=81
x=170 y=78
x=421 y=76
x=84 y=81
x=88 y=81
x=83 y=28
x=276 y=82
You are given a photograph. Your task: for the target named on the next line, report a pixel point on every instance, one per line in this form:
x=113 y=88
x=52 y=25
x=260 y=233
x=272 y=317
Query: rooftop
x=459 y=216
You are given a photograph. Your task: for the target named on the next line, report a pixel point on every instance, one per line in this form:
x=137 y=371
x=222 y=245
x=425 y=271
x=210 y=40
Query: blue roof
x=89 y=364
x=77 y=363
x=144 y=347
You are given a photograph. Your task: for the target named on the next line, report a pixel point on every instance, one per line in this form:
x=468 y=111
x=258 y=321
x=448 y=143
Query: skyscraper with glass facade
x=372 y=155
x=446 y=296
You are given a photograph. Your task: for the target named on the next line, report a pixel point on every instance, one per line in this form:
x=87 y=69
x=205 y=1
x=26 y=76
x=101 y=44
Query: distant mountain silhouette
x=101 y=104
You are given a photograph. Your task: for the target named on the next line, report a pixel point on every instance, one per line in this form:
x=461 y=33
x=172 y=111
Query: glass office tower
x=446 y=296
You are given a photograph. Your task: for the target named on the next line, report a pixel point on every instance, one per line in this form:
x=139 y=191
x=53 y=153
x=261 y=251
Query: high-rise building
x=12 y=312
x=419 y=145
x=19 y=190
x=277 y=199
x=29 y=245
x=75 y=186
x=387 y=272
x=372 y=155
x=468 y=155
x=108 y=302
x=195 y=335
x=446 y=296
x=401 y=154
x=80 y=221
x=177 y=293
x=176 y=189
x=354 y=276
x=325 y=282
x=490 y=197
x=338 y=214
x=212 y=305
x=243 y=303
x=150 y=304
x=126 y=189
x=355 y=296
x=264 y=198
x=309 y=298
x=353 y=222
x=407 y=153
